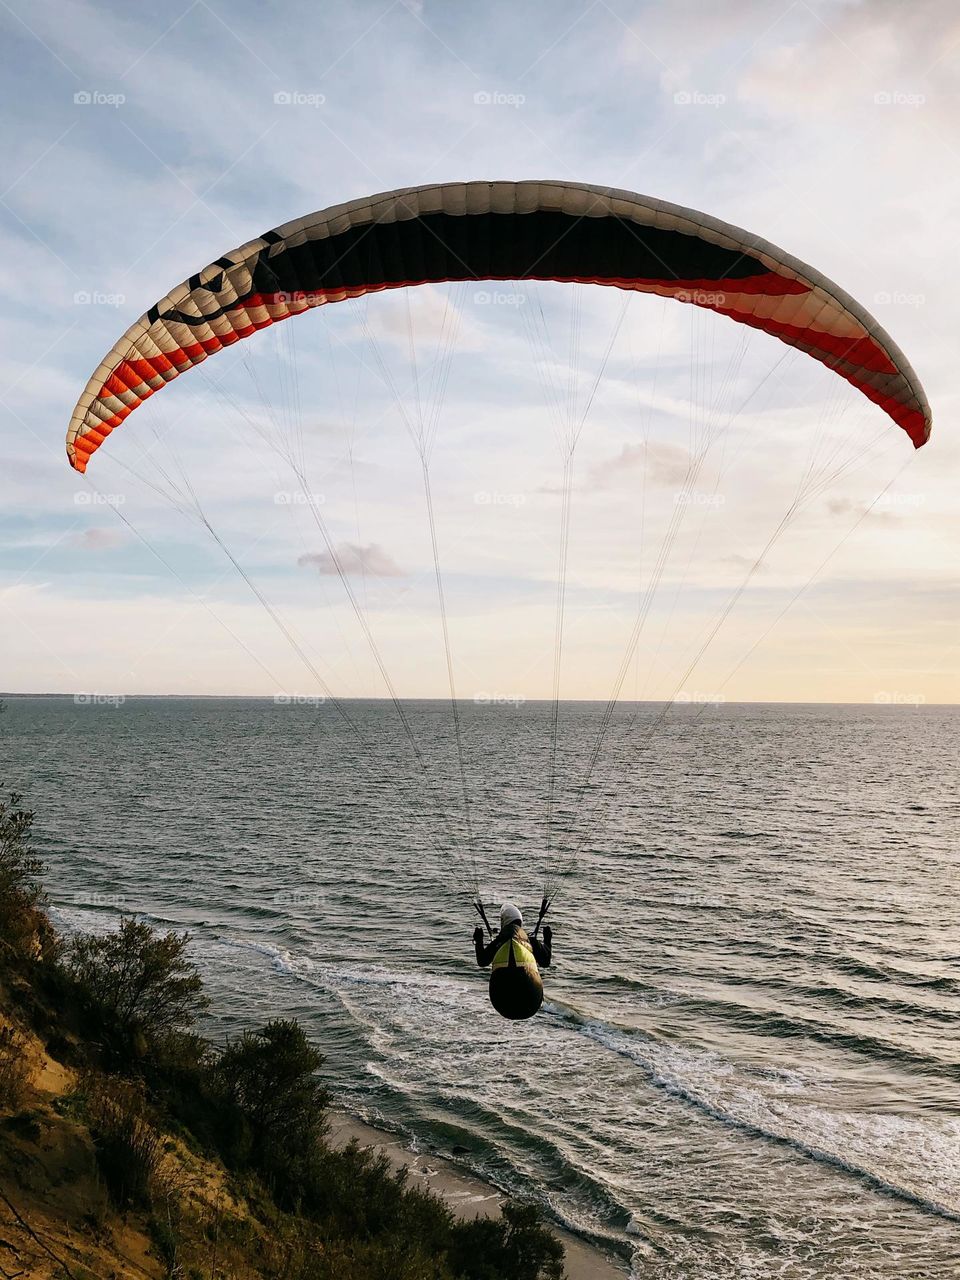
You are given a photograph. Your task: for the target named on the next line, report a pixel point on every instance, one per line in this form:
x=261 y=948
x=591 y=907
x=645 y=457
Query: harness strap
x=478 y=907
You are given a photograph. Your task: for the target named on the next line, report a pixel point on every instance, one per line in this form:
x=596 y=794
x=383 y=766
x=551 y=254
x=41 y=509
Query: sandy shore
x=467 y=1196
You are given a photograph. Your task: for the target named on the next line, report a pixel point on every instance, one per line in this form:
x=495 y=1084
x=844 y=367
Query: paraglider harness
x=516 y=990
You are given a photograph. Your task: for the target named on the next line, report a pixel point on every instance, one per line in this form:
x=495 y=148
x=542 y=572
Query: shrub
x=506 y=1248
x=21 y=921
x=13 y=1069
x=356 y=1194
x=139 y=985
x=516 y=1247
x=268 y=1080
x=380 y=1260
x=130 y=1151
x=166 y=1242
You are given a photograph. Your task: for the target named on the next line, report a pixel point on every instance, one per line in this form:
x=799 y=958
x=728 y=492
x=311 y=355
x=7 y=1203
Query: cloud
x=354 y=559
x=748 y=563
x=664 y=464
x=884 y=54
x=879 y=514
x=98 y=539
x=430 y=317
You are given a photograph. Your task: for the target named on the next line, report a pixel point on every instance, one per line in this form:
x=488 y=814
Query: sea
x=748 y=1060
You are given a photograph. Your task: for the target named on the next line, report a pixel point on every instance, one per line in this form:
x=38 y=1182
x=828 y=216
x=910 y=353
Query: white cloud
x=351 y=559
x=663 y=464
x=99 y=539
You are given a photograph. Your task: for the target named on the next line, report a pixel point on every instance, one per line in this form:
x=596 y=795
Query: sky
x=143 y=141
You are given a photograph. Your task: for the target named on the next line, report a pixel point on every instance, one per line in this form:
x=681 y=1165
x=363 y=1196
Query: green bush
x=22 y=922
x=274 y=1103
x=141 y=991
x=514 y=1245
x=264 y=1102
x=382 y=1260
x=355 y=1193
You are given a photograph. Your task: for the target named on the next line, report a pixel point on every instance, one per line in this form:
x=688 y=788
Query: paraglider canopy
x=496 y=231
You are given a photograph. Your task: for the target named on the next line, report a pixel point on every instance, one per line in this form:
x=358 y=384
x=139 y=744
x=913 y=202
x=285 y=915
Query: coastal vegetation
x=131 y=1145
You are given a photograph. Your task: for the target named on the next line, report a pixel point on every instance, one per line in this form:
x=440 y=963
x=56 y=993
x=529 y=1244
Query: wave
x=84 y=917
x=853 y=1001
x=741 y=833
x=725 y=1092
x=668 y=1068
x=787 y=1026
x=665 y=1066
x=514 y=1162
x=839 y=998
x=844 y=962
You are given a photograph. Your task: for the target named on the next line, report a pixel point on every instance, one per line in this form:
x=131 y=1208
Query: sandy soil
x=55 y=1213
x=467 y=1196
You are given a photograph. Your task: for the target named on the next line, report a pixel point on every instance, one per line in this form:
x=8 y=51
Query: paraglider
x=516 y=987
x=563 y=232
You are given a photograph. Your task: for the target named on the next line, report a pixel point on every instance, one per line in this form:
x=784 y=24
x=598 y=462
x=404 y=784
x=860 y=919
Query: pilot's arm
x=486 y=953
x=543 y=951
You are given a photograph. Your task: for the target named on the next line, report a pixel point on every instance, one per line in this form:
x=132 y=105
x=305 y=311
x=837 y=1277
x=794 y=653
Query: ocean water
x=748 y=1064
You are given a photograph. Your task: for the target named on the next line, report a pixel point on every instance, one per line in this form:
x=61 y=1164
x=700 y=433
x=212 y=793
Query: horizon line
x=502 y=701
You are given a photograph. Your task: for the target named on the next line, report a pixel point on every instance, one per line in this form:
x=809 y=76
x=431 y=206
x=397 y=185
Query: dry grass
x=130 y=1150
x=14 y=1070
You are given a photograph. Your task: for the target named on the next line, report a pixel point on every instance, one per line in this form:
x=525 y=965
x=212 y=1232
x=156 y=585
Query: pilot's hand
x=547 y=934
x=477 y=936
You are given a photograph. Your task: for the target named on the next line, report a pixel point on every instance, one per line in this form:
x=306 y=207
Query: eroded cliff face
x=57 y=1220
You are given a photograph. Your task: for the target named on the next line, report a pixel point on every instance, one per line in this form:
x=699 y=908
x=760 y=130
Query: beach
x=466 y=1196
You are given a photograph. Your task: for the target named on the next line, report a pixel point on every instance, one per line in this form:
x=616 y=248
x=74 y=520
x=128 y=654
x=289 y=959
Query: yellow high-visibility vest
x=523 y=957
